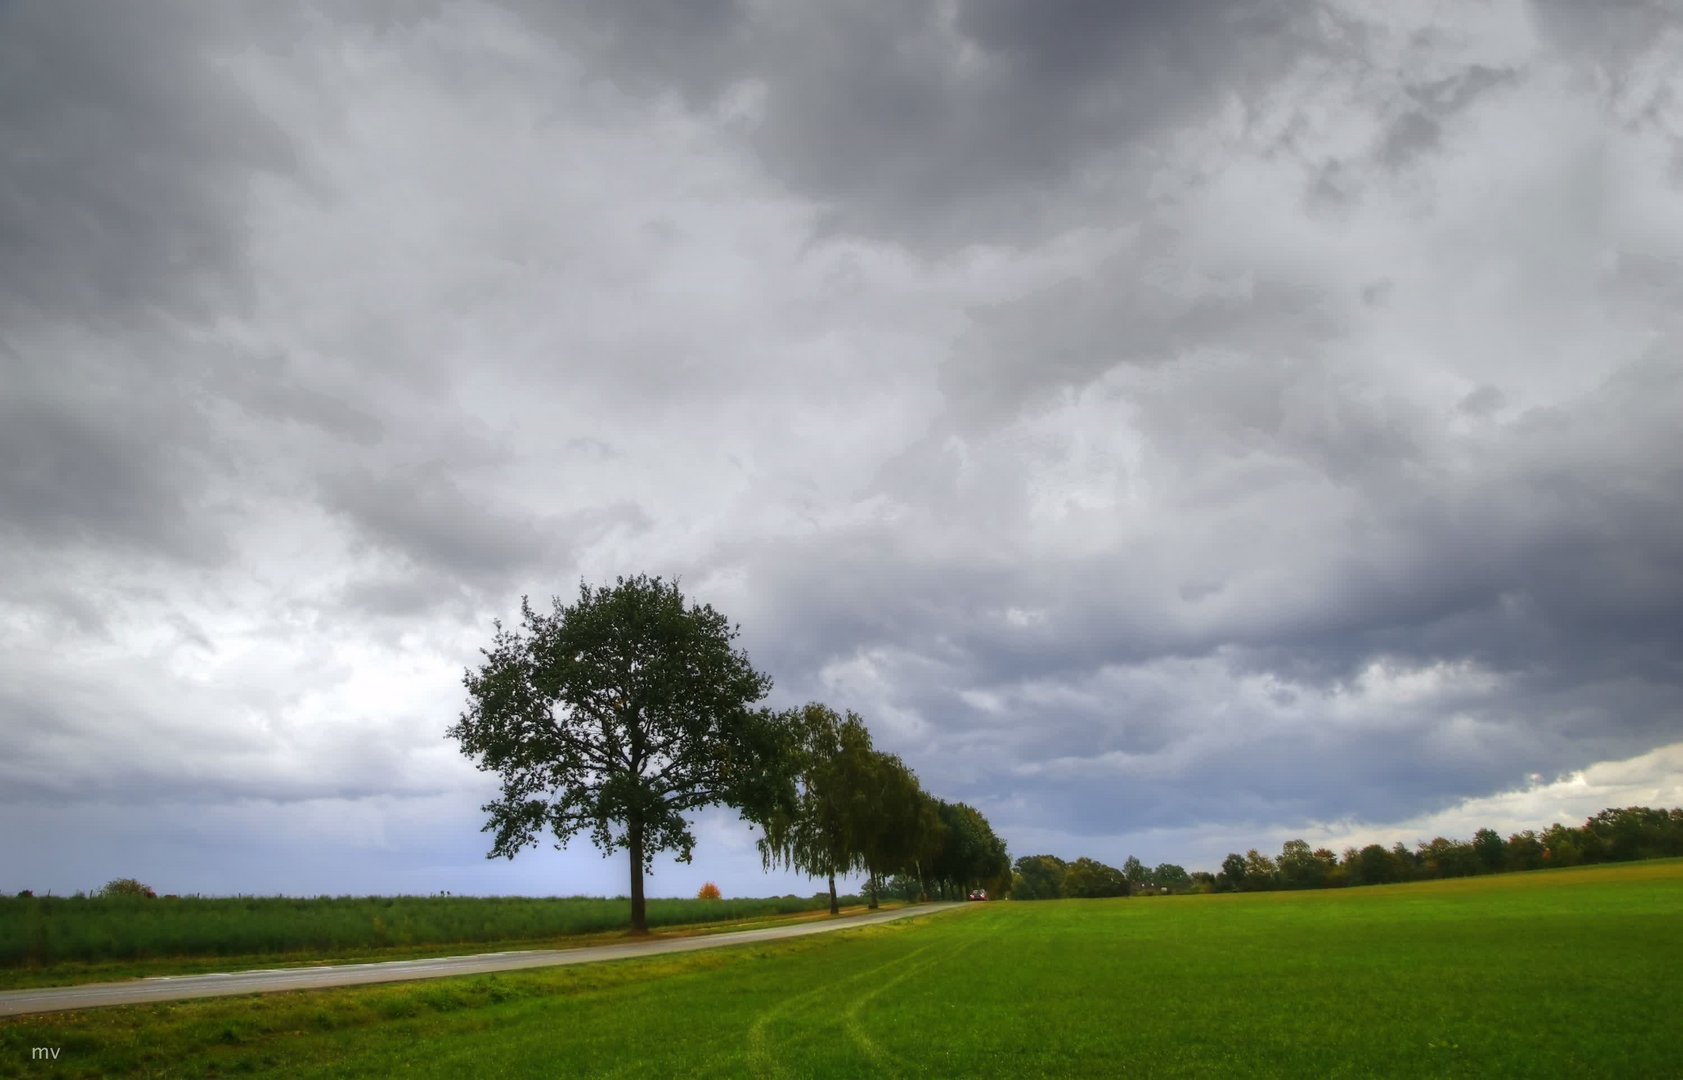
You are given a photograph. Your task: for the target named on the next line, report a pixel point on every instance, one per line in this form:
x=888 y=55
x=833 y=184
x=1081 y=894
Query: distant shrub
x=26 y=894
x=127 y=887
x=708 y=891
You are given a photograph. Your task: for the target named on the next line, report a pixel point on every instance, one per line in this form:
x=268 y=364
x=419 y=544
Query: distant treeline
x=1614 y=835
x=1047 y=877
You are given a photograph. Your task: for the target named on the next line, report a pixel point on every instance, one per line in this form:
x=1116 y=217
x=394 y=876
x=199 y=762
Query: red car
x=978 y=894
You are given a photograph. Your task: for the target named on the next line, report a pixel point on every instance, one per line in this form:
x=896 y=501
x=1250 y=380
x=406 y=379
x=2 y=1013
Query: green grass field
x=48 y=939
x=1563 y=973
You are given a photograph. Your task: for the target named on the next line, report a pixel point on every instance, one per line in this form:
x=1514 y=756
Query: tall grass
x=49 y=930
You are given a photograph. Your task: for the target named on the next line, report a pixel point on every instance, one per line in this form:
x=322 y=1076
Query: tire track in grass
x=760 y=1058
x=883 y=1060
x=886 y=1061
x=759 y=1054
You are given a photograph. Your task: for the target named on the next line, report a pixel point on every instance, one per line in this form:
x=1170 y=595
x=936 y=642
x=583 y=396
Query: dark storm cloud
x=1623 y=44
x=1449 y=95
x=895 y=135
x=1129 y=312
x=407 y=593
x=124 y=159
x=99 y=468
x=1313 y=529
x=435 y=523
x=1382 y=776
x=265 y=390
x=1611 y=33
x=652 y=44
x=426 y=515
x=1412 y=135
x=993 y=125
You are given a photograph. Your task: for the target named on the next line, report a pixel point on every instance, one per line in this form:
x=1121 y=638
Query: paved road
x=182 y=987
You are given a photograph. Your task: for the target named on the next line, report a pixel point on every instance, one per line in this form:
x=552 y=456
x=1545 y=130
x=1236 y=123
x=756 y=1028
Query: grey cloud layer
x=945 y=125
x=126 y=159
x=1146 y=415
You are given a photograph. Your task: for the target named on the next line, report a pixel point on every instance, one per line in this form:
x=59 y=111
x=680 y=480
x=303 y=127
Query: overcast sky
x=1174 y=427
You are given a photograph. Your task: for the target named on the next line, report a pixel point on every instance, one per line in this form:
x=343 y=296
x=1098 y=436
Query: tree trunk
x=835 y=908
x=639 y=911
x=871 y=888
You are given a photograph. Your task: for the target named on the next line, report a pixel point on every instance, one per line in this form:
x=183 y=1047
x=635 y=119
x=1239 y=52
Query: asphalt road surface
x=182 y=987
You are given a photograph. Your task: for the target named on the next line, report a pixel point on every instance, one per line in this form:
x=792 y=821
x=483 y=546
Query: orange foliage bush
x=708 y=891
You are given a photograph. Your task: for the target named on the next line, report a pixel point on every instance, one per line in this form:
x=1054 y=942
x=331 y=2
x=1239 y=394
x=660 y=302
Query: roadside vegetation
x=1557 y=973
x=44 y=932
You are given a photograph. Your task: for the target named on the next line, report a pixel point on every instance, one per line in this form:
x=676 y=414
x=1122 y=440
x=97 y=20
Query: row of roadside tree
x=860 y=809
x=619 y=715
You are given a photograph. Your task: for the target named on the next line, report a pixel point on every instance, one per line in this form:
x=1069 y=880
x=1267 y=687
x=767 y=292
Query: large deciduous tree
x=617 y=715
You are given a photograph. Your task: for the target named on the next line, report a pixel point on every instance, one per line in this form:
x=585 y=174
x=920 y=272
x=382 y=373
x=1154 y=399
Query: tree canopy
x=618 y=715
x=1038 y=877
x=969 y=854
x=817 y=833
x=859 y=808
x=889 y=814
x=856 y=808
x=1091 y=879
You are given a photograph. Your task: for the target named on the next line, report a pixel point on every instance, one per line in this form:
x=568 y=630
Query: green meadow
x=49 y=940
x=1556 y=973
